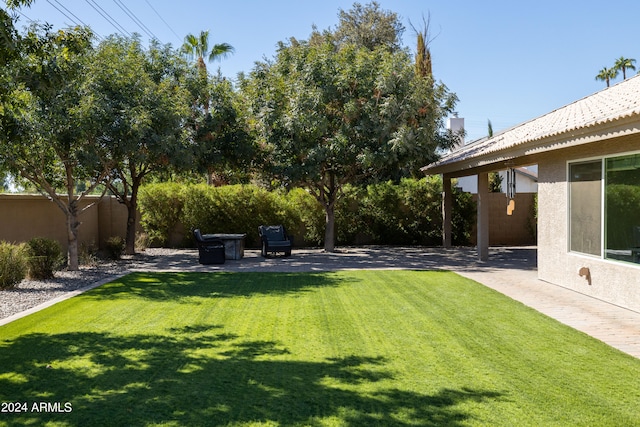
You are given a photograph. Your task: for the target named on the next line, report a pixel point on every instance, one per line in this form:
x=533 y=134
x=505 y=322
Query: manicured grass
x=357 y=348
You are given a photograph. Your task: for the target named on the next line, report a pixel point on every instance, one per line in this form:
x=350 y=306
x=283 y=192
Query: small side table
x=233 y=244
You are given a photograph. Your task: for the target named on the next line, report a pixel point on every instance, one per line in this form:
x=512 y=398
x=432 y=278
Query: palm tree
x=197 y=47
x=623 y=64
x=607 y=74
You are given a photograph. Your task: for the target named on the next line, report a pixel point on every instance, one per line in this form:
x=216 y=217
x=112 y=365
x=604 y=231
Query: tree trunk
x=130 y=238
x=72 y=235
x=330 y=226
x=132 y=208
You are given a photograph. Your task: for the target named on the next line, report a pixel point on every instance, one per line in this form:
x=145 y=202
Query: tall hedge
x=160 y=207
x=231 y=209
x=408 y=213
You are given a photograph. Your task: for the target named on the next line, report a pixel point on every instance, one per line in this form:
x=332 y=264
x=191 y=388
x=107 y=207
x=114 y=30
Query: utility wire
x=165 y=22
x=107 y=17
x=135 y=19
x=76 y=21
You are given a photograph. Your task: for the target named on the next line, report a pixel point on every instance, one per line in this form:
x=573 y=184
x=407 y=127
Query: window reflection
x=622 y=208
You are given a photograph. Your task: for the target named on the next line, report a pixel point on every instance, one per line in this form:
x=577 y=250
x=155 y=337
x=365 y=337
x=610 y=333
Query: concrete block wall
x=24 y=216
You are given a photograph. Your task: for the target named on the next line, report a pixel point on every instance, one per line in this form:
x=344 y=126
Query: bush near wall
x=232 y=209
x=13 y=264
x=160 y=207
x=45 y=256
x=408 y=213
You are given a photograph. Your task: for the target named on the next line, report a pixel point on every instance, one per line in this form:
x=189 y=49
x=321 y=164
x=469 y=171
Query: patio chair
x=210 y=250
x=275 y=239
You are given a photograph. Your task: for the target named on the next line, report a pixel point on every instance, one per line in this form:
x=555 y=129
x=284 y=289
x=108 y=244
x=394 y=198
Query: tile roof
x=608 y=105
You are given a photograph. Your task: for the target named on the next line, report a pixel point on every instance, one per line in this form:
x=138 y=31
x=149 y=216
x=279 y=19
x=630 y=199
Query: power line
x=162 y=19
x=135 y=19
x=107 y=17
x=77 y=20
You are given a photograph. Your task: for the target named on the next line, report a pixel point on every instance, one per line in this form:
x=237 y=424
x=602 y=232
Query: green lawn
x=357 y=348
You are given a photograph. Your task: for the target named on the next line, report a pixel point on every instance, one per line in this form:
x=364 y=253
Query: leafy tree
x=495 y=182
x=224 y=147
x=370 y=27
x=50 y=141
x=334 y=115
x=143 y=105
x=623 y=64
x=607 y=74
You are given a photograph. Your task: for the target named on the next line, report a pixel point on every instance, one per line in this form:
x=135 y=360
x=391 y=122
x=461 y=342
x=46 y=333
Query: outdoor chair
x=210 y=250
x=275 y=239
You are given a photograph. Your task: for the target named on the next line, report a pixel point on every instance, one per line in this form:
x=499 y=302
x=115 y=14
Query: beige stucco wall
x=23 y=217
x=615 y=282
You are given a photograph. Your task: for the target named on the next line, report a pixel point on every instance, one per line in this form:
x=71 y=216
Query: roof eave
x=488 y=160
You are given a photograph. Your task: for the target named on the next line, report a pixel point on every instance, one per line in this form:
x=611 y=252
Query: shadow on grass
x=177 y=286
x=198 y=376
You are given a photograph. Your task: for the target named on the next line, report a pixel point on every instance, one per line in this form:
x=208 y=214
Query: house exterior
x=588 y=157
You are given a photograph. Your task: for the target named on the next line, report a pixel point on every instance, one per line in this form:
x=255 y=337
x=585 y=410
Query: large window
x=604 y=197
x=622 y=208
x=586 y=207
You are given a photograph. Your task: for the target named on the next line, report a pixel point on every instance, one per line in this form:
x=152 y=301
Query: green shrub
x=304 y=217
x=160 y=208
x=408 y=213
x=463 y=217
x=45 y=257
x=231 y=209
x=13 y=264
x=115 y=247
x=351 y=227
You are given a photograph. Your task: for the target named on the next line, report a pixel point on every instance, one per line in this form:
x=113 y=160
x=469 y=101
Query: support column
x=483 y=217
x=447 y=208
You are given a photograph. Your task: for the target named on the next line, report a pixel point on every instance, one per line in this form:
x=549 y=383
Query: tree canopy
x=347 y=106
x=331 y=115
x=370 y=27
x=143 y=106
x=50 y=138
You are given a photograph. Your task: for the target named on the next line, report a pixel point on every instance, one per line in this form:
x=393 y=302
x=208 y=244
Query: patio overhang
x=602 y=118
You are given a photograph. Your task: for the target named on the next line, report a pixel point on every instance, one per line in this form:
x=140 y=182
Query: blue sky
x=508 y=61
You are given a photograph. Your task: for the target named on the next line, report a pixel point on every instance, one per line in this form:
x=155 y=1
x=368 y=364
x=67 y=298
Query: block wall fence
x=24 y=216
